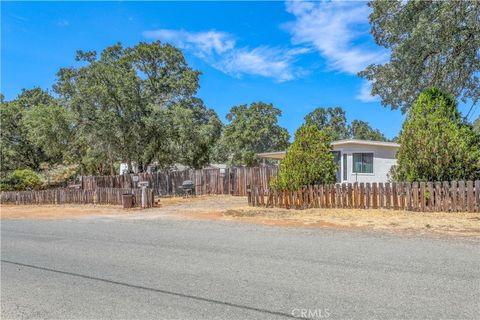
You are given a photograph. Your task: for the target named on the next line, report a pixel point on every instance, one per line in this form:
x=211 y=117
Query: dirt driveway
x=235 y=209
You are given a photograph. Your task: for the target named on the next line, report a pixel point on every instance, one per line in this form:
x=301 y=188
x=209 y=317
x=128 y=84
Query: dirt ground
x=235 y=209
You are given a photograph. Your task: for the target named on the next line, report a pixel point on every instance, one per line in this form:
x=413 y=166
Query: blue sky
x=297 y=56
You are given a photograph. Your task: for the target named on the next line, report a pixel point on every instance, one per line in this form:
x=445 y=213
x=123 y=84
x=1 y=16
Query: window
x=344 y=167
x=363 y=162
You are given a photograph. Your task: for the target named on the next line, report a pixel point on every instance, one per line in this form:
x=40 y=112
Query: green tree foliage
x=435 y=144
x=333 y=120
x=476 y=125
x=432 y=43
x=21 y=179
x=49 y=127
x=129 y=105
x=122 y=103
x=16 y=148
x=361 y=130
x=309 y=160
x=196 y=131
x=253 y=129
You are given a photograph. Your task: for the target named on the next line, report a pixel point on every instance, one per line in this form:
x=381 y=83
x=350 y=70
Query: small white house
x=358 y=160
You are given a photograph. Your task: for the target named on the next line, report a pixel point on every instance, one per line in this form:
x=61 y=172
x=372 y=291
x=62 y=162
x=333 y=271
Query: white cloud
x=220 y=50
x=338 y=30
x=63 y=23
x=364 y=94
x=205 y=43
x=262 y=61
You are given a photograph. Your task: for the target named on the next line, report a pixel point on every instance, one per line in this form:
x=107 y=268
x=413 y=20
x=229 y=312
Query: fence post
x=415 y=195
x=461 y=195
x=470 y=197
x=395 y=195
x=477 y=194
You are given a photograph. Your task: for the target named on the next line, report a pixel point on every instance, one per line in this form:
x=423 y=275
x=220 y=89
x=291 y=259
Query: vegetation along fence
x=431 y=196
x=77 y=196
x=232 y=181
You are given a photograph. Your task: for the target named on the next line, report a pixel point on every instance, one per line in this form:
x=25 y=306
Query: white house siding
x=383 y=160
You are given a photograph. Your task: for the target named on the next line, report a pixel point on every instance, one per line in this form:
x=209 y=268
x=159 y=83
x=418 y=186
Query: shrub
x=22 y=179
x=309 y=160
x=435 y=143
x=59 y=173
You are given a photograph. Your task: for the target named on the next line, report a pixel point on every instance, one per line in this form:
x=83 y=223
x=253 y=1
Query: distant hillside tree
x=332 y=120
x=309 y=160
x=435 y=144
x=253 y=129
x=361 y=130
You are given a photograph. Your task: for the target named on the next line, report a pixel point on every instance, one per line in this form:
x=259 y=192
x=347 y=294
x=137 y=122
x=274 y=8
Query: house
x=358 y=160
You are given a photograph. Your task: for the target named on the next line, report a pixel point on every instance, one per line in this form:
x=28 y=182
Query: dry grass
x=234 y=208
x=466 y=224
x=172 y=201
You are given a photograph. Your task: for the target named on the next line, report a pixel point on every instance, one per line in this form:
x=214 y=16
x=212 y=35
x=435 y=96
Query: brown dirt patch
x=235 y=209
x=57 y=211
x=464 y=224
x=173 y=201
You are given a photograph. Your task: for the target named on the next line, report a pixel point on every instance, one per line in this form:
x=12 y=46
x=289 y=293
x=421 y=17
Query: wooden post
x=454 y=196
x=431 y=196
x=374 y=196
x=327 y=196
x=477 y=195
x=470 y=197
x=461 y=196
x=350 y=195
x=415 y=196
x=395 y=196
x=356 y=194
x=387 y=195
x=332 y=196
x=367 y=196
x=362 y=195
x=401 y=190
x=438 y=196
x=338 y=195
x=422 y=197
x=408 y=191
x=446 y=196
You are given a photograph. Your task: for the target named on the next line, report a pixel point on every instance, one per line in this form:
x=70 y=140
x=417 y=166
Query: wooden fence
x=76 y=196
x=431 y=196
x=232 y=181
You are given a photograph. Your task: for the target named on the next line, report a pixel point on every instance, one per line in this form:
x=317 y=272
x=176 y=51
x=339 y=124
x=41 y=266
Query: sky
x=296 y=55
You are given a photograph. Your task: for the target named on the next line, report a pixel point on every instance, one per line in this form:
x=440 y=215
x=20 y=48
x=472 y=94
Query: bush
x=22 y=179
x=59 y=173
x=435 y=143
x=309 y=160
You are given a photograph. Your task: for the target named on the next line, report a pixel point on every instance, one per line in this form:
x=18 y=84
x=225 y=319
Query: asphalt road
x=184 y=269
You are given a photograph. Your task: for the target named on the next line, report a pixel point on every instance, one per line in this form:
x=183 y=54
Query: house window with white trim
x=363 y=162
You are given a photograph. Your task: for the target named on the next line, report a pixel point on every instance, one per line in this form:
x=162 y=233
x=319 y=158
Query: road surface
x=99 y=268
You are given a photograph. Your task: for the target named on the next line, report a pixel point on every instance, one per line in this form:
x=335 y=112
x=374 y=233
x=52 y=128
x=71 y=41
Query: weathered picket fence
x=232 y=181
x=430 y=196
x=113 y=196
